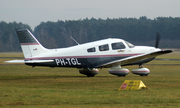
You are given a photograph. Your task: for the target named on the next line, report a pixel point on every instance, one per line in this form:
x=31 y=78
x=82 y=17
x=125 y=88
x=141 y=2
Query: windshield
x=129 y=44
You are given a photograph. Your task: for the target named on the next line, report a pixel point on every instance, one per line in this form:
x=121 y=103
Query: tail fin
x=29 y=44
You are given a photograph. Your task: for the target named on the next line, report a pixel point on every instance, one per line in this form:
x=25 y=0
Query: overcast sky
x=33 y=12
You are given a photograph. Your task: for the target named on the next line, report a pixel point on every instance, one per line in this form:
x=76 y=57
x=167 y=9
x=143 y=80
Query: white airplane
x=107 y=53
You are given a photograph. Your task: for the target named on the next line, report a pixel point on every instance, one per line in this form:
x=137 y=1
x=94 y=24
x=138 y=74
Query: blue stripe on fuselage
x=78 y=62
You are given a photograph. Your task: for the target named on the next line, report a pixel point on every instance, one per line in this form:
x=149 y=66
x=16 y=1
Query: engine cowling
x=89 y=72
x=119 y=71
x=141 y=71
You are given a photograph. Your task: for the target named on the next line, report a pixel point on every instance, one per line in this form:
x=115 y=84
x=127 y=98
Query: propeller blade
x=157 y=39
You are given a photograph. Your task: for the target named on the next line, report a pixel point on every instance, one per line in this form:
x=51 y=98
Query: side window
x=104 y=47
x=118 y=45
x=91 y=49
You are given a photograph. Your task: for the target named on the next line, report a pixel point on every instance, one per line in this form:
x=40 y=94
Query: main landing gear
x=90 y=72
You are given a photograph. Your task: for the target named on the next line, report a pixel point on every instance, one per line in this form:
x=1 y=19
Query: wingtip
x=167 y=50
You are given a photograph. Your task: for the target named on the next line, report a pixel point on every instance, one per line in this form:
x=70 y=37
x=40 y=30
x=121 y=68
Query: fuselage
x=92 y=54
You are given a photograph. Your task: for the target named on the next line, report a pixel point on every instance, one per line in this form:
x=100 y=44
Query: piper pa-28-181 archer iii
x=107 y=53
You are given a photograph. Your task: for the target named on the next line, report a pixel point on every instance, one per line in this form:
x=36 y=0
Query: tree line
x=58 y=34
x=8 y=38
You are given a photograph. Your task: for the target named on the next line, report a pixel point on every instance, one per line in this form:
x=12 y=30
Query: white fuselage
x=80 y=51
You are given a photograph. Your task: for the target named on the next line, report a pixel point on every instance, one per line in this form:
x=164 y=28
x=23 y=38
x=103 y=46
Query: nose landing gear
x=141 y=71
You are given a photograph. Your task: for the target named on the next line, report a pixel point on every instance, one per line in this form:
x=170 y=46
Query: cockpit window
x=91 y=49
x=104 y=47
x=129 y=44
x=118 y=45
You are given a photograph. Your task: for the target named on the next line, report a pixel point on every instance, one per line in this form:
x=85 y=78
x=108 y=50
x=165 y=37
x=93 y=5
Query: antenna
x=74 y=40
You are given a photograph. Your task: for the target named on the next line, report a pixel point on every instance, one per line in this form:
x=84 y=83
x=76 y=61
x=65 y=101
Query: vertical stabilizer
x=29 y=44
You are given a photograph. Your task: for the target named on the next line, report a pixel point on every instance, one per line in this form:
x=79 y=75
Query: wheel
x=144 y=75
x=90 y=75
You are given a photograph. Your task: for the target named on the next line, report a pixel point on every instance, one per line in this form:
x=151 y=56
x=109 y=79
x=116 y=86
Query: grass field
x=24 y=86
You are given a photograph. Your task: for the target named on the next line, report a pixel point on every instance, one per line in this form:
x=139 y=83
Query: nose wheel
x=141 y=71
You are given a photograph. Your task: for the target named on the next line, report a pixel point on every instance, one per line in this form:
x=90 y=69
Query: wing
x=136 y=58
x=29 y=61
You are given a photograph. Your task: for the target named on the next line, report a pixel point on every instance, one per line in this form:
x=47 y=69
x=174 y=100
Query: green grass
x=24 y=86
x=11 y=54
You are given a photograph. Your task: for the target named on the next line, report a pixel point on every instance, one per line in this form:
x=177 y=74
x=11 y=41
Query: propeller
x=158 y=35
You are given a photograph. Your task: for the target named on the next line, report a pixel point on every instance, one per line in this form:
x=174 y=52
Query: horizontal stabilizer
x=29 y=61
x=39 y=61
x=15 y=61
